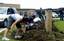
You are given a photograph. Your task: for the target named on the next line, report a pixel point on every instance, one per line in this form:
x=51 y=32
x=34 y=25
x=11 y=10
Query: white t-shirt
x=17 y=16
x=37 y=19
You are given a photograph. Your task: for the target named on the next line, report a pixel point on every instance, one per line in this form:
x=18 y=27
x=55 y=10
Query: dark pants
x=61 y=17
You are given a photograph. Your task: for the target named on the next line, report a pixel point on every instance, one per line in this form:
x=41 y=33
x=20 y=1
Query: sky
x=36 y=4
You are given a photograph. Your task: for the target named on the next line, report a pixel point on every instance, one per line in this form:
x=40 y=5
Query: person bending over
x=15 y=18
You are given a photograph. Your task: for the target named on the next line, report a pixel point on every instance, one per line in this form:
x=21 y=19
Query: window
x=2 y=10
x=10 y=11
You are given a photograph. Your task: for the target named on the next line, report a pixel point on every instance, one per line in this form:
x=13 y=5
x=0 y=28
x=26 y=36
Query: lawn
x=1 y=35
x=59 y=25
x=9 y=36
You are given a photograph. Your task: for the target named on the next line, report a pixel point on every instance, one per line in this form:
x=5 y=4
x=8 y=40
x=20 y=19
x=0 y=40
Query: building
x=26 y=11
x=17 y=6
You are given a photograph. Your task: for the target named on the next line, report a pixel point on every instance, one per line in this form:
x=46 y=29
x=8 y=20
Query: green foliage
x=59 y=25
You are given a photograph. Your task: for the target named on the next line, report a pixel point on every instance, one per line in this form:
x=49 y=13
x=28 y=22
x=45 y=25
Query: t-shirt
x=37 y=19
x=17 y=16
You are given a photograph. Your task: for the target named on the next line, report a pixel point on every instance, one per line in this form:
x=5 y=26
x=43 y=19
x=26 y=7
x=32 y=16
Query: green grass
x=1 y=35
x=10 y=39
x=59 y=25
x=9 y=36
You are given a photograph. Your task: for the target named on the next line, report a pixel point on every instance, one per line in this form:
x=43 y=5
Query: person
x=61 y=11
x=18 y=22
x=16 y=18
x=41 y=14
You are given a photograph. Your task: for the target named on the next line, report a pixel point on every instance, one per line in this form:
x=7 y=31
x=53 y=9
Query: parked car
x=54 y=15
x=5 y=13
